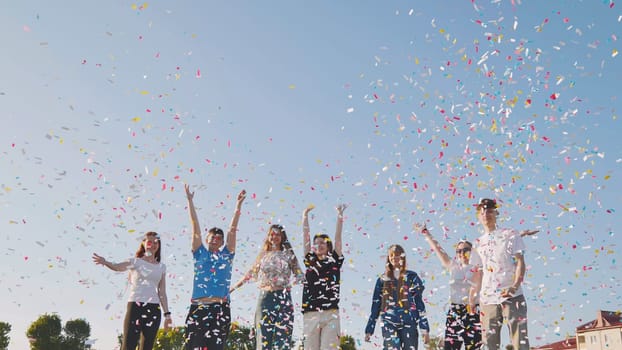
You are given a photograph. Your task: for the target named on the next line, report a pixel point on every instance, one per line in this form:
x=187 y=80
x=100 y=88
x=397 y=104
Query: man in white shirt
x=499 y=272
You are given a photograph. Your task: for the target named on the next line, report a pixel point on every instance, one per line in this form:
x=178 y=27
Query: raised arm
x=197 y=240
x=233 y=228
x=99 y=260
x=340 y=209
x=306 y=237
x=436 y=247
x=168 y=322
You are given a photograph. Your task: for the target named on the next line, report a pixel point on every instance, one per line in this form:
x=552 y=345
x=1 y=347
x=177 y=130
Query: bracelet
x=166 y=314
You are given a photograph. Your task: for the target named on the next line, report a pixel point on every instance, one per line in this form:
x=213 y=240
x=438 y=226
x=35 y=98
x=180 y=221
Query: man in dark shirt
x=320 y=295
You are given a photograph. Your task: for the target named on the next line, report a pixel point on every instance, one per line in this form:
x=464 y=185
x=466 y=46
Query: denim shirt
x=395 y=314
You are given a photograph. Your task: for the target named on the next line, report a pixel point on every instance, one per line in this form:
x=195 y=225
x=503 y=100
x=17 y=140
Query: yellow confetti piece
x=292 y=86
x=614 y=53
x=136 y=119
x=493 y=127
x=144 y=92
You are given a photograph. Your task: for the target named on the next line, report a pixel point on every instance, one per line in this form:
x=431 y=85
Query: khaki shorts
x=321 y=330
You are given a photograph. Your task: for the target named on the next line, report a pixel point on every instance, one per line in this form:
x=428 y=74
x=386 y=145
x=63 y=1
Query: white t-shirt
x=144 y=280
x=494 y=254
x=460 y=282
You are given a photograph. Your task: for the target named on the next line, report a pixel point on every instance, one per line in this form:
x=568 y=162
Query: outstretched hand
x=417 y=227
x=308 y=209
x=341 y=208
x=241 y=196
x=99 y=260
x=189 y=194
x=528 y=232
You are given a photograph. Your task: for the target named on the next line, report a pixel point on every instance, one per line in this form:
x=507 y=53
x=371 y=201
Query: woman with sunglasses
x=147 y=277
x=461 y=326
x=273 y=268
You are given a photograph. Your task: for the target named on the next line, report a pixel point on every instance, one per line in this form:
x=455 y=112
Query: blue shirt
x=393 y=312
x=212 y=273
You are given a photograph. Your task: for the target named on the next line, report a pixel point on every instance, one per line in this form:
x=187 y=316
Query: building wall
x=606 y=339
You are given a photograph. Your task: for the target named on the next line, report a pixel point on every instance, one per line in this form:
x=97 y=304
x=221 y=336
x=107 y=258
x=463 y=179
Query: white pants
x=321 y=330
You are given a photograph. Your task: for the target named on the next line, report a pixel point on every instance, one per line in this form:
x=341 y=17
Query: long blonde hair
x=284 y=246
x=389 y=284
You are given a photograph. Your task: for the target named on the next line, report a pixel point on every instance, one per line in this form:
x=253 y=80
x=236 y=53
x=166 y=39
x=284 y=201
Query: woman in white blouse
x=147 y=297
x=275 y=264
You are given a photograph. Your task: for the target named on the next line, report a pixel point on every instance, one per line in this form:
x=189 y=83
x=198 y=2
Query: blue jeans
x=274 y=319
x=400 y=337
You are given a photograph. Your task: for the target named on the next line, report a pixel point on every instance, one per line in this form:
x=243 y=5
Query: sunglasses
x=463 y=250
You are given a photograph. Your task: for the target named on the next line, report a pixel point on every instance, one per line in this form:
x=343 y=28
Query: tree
x=240 y=337
x=436 y=343
x=46 y=333
x=173 y=339
x=5 y=329
x=347 y=342
x=77 y=332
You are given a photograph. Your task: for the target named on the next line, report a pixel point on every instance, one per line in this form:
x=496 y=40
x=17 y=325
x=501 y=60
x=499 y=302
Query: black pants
x=207 y=326
x=462 y=328
x=142 y=321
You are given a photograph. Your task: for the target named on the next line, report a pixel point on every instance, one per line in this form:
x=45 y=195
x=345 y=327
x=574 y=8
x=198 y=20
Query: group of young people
x=275 y=269
x=485 y=289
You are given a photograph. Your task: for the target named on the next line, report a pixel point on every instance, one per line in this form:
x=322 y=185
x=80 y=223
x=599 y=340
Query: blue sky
x=406 y=111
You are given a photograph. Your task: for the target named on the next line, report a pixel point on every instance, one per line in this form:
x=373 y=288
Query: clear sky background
x=408 y=111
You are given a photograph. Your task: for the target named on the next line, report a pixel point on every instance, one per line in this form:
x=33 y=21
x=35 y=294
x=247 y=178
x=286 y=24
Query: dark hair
x=141 y=249
x=329 y=242
x=465 y=242
x=216 y=231
x=487 y=203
